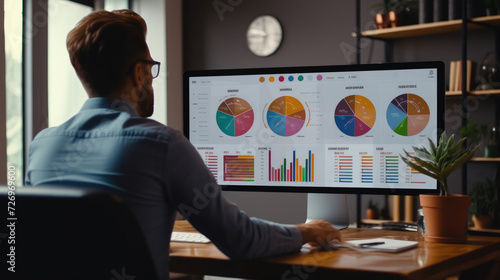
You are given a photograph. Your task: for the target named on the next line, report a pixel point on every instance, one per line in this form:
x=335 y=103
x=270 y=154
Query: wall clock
x=264 y=35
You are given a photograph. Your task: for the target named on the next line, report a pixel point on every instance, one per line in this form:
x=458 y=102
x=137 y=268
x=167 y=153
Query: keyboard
x=403 y=226
x=193 y=237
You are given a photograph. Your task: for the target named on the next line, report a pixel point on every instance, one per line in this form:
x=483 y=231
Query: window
x=65 y=92
x=110 y=5
x=13 y=81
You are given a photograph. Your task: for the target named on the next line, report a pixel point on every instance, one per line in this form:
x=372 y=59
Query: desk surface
x=428 y=261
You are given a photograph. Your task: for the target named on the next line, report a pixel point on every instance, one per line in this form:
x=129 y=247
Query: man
x=112 y=143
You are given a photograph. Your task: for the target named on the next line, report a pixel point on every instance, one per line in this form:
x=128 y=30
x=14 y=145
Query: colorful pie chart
x=286 y=116
x=235 y=116
x=355 y=115
x=408 y=114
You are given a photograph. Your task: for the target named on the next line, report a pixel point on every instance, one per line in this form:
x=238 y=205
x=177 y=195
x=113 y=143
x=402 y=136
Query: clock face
x=264 y=35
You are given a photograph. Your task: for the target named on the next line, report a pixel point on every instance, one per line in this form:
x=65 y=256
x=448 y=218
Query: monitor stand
x=329 y=207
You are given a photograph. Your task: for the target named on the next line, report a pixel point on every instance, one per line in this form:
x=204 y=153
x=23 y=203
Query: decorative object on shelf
x=492 y=7
x=397 y=13
x=491 y=146
x=264 y=35
x=489 y=72
x=445 y=214
x=485 y=205
x=372 y=211
x=382 y=20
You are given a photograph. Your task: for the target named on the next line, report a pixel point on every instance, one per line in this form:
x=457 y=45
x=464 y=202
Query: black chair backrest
x=70 y=233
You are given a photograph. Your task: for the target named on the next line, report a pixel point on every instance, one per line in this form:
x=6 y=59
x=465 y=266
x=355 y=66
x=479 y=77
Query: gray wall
x=316 y=32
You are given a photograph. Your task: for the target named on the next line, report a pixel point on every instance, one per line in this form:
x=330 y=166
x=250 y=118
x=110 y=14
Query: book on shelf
x=440 y=10
x=454 y=9
x=456 y=75
x=475 y=8
x=425 y=11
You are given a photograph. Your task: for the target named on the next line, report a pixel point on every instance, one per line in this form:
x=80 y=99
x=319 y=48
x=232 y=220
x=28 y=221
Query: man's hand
x=318 y=232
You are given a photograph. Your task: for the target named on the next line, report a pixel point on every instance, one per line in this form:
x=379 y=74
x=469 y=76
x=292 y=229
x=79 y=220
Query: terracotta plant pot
x=482 y=221
x=445 y=217
x=371 y=213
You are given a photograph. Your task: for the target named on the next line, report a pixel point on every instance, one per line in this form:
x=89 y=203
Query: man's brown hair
x=104 y=46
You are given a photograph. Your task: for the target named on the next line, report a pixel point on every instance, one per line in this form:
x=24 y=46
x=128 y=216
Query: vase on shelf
x=491 y=146
x=489 y=72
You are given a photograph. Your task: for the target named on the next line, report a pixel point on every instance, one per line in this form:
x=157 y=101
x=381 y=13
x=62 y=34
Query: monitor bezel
x=439 y=65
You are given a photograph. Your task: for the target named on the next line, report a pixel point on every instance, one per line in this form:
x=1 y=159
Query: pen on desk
x=371 y=244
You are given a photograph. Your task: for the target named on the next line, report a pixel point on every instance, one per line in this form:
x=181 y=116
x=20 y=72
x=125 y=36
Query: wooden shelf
x=475 y=92
x=484 y=231
x=485 y=159
x=374 y=221
x=430 y=28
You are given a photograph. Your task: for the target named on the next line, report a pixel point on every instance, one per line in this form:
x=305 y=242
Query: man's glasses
x=155 y=69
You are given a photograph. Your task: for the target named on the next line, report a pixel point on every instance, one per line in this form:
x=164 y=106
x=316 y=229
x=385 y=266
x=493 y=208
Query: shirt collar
x=109 y=103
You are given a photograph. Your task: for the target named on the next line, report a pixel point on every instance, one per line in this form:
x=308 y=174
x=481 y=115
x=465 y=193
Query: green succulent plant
x=440 y=160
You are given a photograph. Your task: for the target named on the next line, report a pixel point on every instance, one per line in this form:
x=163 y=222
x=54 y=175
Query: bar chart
x=345 y=168
x=391 y=163
x=293 y=170
x=239 y=168
x=212 y=163
x=366 y=169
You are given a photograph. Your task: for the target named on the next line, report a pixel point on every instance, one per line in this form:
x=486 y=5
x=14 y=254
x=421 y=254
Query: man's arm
x=196 y=195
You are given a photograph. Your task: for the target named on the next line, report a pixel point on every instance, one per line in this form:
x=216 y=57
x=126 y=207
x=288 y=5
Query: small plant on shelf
x=485 y=205
x=372 y=211
x=473 y=132
x=440 y=160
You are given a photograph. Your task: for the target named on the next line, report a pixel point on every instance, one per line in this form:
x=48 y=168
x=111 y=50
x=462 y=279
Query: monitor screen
x=322 y=129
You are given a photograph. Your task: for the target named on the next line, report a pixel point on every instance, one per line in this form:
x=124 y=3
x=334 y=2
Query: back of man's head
x=104 y=46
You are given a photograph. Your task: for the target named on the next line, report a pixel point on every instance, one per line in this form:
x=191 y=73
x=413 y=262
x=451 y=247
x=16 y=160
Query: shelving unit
x=388 y=35
x=431 y=28
x=485 y=159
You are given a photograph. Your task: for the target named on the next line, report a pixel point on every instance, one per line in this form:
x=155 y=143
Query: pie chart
x=408 y=114
x=355 y=115
x=235 y=116
x=286 y=116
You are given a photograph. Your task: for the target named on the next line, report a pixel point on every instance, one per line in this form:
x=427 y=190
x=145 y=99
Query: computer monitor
x=318 y=129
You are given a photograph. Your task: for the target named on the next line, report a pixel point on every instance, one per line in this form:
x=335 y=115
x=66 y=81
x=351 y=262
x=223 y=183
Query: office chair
x=71 y=233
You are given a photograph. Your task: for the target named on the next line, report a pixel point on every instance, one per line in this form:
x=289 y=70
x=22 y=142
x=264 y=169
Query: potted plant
x=372 y=211
x=445 y=214
x=485 y=205
x=474 y=132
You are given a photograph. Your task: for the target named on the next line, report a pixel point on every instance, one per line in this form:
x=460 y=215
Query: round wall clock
x=264 y=35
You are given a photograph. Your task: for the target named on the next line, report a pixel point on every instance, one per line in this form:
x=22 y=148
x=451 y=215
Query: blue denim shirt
x=107 y=144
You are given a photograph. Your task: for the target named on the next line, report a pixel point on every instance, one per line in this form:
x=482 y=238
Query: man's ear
x=137 y=74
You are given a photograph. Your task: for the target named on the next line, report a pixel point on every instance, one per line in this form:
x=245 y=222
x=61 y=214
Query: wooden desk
x=480 y=257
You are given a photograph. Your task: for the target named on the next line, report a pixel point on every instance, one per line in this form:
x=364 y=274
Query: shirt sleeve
x=192 y=189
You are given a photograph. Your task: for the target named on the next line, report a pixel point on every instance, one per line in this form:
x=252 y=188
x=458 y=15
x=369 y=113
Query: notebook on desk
x=382 y=244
